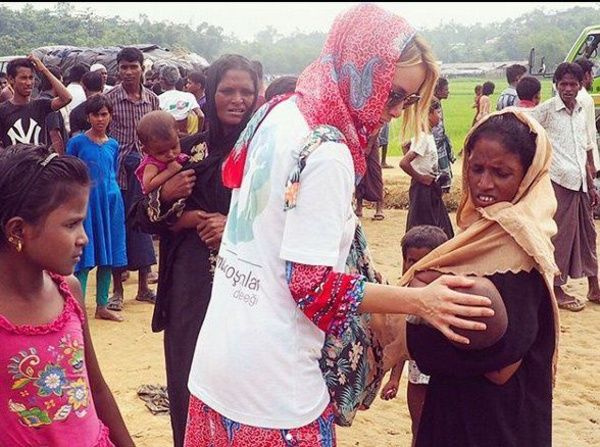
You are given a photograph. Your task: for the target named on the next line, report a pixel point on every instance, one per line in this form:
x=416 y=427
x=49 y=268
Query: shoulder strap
x=317 y=136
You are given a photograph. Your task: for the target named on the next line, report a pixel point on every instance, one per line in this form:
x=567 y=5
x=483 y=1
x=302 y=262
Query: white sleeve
x=539 y=113
x=590 y=121
x=314 y=228
x=419 y=146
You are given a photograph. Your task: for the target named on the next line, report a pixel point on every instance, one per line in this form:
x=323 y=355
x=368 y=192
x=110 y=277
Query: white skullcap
x=97 y=67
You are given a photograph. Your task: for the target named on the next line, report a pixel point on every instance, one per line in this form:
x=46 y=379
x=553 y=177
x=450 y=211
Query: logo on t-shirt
x=18 y=135
x=243 y=279
x=179 y=106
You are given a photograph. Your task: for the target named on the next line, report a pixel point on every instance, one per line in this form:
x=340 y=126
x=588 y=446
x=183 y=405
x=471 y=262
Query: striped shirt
x=445 y=155
x=125 y=117
x=507 y=98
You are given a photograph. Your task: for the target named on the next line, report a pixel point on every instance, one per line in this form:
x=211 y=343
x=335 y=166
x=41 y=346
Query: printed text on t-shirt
x=246 y=283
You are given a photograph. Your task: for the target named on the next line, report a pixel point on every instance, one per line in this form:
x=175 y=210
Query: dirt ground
x=131 y=355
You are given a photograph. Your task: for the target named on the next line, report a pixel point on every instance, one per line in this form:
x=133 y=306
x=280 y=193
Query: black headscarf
x=209 y=194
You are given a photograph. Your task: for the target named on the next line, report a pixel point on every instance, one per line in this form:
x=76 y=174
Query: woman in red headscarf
x=279 y=284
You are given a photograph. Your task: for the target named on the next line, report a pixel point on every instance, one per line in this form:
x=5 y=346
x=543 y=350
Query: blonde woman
x=280 y=285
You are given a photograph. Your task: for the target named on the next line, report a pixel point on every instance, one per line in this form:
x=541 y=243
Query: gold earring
x=17 y=243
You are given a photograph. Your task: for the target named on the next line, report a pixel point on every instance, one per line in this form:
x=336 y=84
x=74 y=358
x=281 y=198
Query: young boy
x=416 y=244
x=426 y=206
x=509 y=96
x=529 y=90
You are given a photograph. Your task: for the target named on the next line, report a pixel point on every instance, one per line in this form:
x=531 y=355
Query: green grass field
x=458 y=110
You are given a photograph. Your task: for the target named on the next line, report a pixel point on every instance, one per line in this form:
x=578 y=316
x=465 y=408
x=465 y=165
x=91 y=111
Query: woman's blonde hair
x=415 y=118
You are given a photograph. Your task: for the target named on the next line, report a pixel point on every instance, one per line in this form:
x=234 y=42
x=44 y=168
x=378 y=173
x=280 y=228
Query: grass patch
x=458 y=116
x=458 y=110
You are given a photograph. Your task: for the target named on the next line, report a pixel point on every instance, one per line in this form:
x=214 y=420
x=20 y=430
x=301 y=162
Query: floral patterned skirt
x=207 y=428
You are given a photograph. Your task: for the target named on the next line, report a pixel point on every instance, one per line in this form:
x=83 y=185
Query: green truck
x=588 y=45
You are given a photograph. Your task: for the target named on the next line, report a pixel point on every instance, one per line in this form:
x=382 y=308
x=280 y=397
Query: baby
x=163 y=159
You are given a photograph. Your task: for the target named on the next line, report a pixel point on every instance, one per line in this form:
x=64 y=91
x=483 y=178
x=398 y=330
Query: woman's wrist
x=381 y=298
x=414 y=303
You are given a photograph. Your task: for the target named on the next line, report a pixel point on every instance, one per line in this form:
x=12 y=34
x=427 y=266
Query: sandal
x=148 y=296
x=573 y=305
x=115 y=302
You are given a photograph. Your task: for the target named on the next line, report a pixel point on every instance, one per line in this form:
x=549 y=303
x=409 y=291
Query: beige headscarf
x=504 y=237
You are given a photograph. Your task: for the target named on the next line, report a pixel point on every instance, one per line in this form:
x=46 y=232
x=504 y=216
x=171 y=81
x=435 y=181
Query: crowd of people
x=277 y=325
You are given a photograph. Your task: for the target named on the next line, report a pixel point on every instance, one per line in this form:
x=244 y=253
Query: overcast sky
x=244 y=20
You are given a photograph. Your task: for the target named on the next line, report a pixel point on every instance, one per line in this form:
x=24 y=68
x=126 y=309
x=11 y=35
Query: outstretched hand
x=443 y=307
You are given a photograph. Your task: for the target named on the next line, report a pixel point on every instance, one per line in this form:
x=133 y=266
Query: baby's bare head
x=154 y=127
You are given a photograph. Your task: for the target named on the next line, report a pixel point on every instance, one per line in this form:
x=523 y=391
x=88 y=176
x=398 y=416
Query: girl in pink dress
x=52 y=392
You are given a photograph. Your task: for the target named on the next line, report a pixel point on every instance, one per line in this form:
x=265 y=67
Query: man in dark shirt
x=21 y=119
x=196 y=82
x=92 y=83
x=56 y=134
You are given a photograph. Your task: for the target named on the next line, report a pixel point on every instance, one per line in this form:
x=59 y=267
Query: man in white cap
x=104 y=72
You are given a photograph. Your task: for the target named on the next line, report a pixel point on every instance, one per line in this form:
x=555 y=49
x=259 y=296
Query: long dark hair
x=218 y=141
x=31 y=190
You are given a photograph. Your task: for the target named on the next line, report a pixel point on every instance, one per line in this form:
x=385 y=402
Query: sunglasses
x=396 y=98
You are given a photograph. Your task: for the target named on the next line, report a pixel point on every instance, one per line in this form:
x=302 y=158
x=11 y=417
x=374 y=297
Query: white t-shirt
x=256 y=359
x=427 y=160
x=179 y=104
x=76 y=91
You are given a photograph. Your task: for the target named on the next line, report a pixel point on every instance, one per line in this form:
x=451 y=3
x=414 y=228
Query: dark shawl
x=185 y=268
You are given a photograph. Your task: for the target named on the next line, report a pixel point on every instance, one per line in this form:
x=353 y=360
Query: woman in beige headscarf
x=500 y=395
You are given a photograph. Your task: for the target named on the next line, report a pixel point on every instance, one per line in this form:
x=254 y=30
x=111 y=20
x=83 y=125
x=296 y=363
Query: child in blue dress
x=105 y=220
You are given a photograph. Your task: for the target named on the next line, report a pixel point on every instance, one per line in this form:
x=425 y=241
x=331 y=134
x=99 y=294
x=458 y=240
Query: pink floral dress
x=45 y=396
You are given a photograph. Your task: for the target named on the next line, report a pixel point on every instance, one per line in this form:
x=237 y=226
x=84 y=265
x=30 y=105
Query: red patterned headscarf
x=348 y=85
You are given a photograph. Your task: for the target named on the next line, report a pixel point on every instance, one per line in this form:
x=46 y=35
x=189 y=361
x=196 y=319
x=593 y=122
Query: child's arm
x=406 y=148
x=503 y=375
x=105 y=403
x=152 y=179
x=405 y=164
x=390 y=389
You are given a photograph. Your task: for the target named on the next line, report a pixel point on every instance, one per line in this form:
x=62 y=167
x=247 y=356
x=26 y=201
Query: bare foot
x=594 y=290
x=102 y=313
x=594 y=297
